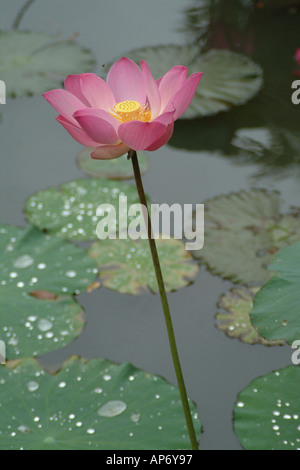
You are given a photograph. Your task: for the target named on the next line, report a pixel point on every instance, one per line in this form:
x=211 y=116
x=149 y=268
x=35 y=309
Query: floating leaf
x=266 y=415
x=71 y=212
x=92 y=404
x=276 y=311
x=229 y=79
x=32 y=63
x=243 y=231
x=39 y=275
x=127 y=266
x=233 y=316
x=116 y=168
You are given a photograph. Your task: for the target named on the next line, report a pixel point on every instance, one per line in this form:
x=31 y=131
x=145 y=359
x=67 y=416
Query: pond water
x=38 y=153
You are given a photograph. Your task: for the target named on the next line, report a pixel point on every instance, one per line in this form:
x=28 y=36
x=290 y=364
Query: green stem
x=184 y=399
x=21 y=14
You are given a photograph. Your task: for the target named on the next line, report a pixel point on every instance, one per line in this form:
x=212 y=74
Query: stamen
x=131 y=111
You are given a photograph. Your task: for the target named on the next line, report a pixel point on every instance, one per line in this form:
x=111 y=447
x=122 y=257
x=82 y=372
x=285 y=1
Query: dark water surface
x=37 y=153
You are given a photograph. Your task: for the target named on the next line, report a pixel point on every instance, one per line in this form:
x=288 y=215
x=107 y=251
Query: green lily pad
x=116 y=168
x=71 y=212
x=243 y=231
x=32 y=63
x=233 y=316
x=127 y=266
x=266 y=415
x=229 y=79
x=90 y=404
x=276 y=312
x=39 y=275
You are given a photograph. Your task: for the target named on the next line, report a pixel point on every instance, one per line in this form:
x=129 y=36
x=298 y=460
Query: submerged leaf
x=90 y=404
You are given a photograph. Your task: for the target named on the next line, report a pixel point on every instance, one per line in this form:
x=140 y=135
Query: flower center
x=130 y=110
x=127 y=107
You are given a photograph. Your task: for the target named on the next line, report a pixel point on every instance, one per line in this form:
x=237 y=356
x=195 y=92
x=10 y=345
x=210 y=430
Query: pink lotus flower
x=129 y=111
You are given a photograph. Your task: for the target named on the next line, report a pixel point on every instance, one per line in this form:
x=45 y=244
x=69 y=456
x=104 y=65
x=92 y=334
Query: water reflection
x=219 y=24
x=273 y=151
x=249 y=27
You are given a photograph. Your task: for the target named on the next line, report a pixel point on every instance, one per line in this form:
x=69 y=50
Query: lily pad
x=71 y=212
x=127 y=266
x=276 y=312
x=39 y=275
x=116 y=168
x=243 y=231
x=266 y=415
x=32 y=63
x=90 y=404
x=233 y=316
x=229 y=79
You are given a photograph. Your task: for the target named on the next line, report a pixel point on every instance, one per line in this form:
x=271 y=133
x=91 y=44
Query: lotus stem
x=164 y=301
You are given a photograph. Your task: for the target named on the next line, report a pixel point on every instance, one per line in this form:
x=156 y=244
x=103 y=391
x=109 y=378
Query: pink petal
x=107 y=152
x=126 y=81
x=96 y=91
x=98 y=124
x=182 y=99
x=170 y=83
x=139 y=135
x=167 y=117
x=72 y=85
x=151 y=90
x=76 y=132
x=64 y=102
x=168 y=120
x=163 y=139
